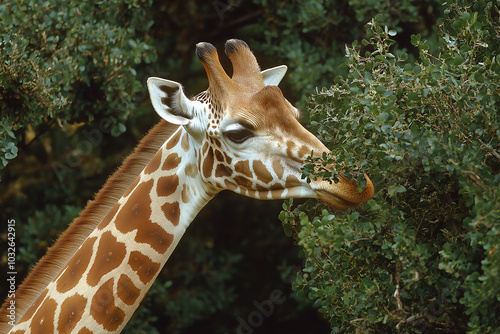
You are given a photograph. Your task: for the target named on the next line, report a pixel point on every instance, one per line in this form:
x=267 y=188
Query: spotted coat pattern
x=108 y=276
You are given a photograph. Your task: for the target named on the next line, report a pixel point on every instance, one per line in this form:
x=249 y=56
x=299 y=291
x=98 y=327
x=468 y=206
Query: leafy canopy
x=61 y=60
x=423 y=253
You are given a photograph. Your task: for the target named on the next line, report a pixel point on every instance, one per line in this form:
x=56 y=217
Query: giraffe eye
x=238 y=136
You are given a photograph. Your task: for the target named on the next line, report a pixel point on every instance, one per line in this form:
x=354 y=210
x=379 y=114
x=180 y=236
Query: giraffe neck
x=107 y=278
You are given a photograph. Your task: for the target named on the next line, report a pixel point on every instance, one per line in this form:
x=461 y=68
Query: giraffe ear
x=169 y=101
x=273 y=76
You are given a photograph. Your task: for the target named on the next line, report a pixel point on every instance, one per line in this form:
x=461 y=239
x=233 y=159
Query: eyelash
x=239 y=136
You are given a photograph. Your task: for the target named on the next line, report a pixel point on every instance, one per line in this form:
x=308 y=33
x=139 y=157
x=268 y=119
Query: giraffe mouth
x=336 y=202
x=343 y=195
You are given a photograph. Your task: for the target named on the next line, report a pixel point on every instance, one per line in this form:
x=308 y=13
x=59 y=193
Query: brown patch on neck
x=174 y=141
x=143 y=266
x=190 y=170
x=137 y=210
x=172 y=212
x=127 y=291
x=104 y=310
x=110 y=254
x=154 y=164
x=185 y=142
x=136 y=213
x=76 y=267
x=172 y=161
x=71 y=313
x=43 y=320
x=167 y=185
x=155 y=236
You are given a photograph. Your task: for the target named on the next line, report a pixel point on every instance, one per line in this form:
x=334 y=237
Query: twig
x=492 y=151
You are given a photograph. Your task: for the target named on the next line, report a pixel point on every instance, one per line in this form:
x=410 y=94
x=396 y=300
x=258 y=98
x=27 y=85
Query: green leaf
x=383 y=117
x=9 y=155
x=287 y=230
x=118 y=129
x=415 y=39
x=412 y=96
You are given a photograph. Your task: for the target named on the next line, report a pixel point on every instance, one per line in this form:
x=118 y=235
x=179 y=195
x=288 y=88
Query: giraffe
x=240 y=134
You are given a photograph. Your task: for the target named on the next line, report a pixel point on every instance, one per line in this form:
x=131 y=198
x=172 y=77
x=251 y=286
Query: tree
x=60 y=60
x=423 y=253
x=310 y=35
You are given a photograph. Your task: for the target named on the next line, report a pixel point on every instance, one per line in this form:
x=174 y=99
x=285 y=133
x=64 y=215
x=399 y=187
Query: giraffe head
x=248 y=136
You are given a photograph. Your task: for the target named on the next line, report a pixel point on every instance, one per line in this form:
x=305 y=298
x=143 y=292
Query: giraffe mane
x=68 y=243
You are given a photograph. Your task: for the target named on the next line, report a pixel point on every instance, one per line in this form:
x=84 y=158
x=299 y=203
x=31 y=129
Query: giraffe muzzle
x=344 y=194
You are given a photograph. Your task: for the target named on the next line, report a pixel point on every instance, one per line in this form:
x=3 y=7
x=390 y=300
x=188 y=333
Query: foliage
x=423 y=254
x=309 y=35
x=60 y=60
